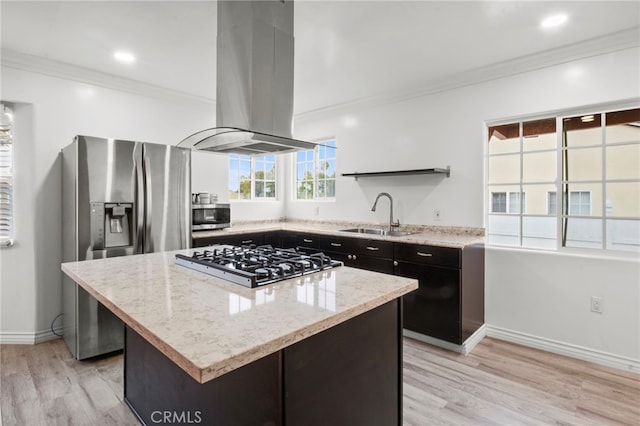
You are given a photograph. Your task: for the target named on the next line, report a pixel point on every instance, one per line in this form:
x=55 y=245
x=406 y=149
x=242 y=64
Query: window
x=252 y=178
x=6 y=177
x=579 y=203
x=591 y=159
x=552 y=203
x=501 y=203
x=498 y=202
x=315 y=171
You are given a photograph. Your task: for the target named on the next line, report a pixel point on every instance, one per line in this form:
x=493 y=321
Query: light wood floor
x=499 y=383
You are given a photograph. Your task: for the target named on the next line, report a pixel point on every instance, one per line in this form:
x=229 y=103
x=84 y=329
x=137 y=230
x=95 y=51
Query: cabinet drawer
x=337 y=244
x=374 y=248
x=428 y=255
x=308 y=240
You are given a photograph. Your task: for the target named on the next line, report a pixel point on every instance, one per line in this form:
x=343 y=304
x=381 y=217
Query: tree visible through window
x=315 y=171
x=252 y=177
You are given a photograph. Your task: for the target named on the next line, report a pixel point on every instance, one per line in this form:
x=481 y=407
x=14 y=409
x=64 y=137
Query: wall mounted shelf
x=446 y=172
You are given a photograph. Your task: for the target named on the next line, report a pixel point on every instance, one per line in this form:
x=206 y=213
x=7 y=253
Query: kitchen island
x=325 y=348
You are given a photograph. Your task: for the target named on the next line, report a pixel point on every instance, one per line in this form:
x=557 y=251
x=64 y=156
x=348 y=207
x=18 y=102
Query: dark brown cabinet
x=349 y=374
x=373 y=255
x=434 y=308
x=234 y=239
x=449 y=303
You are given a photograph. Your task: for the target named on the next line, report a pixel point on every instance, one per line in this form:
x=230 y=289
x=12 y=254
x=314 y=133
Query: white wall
x=541 y=295
x=210 y=174
x=50 y=112
x=547 y=295
x=428 y=131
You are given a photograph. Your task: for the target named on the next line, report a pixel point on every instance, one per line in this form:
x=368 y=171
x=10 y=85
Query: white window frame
x=560 y=216
x=254 y=160
x=315 y=171
x=7 y=186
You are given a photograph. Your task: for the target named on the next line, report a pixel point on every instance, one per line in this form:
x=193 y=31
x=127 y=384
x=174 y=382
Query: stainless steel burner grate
x=253 y=266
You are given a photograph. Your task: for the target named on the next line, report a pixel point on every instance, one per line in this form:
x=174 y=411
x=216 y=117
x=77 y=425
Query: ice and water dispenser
x=111 y=225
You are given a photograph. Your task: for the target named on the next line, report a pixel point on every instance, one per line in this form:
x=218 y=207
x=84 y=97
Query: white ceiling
x=346 y=51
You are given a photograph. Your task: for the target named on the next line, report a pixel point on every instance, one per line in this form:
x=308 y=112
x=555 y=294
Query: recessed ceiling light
x=587 y=118
x=124 y=57
x=554 y=21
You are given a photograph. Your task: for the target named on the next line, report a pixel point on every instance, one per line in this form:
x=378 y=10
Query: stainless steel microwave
x=210 y=216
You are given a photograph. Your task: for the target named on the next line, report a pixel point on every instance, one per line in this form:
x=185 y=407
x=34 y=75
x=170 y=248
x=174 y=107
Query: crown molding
x=25 y=62
x=621 y=40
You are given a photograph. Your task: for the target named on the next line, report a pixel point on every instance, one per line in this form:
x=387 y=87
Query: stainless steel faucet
x=373 y=209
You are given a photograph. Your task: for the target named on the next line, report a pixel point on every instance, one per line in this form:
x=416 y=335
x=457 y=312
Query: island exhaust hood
x=254 y=93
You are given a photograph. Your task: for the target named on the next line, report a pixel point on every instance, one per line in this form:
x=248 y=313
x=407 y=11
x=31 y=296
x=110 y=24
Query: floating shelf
x=446 y=172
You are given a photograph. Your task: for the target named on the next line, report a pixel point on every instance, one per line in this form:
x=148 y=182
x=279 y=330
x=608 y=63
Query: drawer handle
x=373 y=248
x=424 y=254
x=246 y=241
x=336 y=244
x=307 y=241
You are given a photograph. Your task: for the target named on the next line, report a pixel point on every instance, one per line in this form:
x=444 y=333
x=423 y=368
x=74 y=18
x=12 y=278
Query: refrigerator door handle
x=139 y=190
x=148 y=241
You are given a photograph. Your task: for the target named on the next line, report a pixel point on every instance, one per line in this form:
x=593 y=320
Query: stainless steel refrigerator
x=119 y=198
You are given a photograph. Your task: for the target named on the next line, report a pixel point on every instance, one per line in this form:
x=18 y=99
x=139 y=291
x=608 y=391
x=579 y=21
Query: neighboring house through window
x=506 y=202
x=592 y=159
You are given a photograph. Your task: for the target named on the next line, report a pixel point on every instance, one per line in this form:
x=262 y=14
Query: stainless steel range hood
x=254 y=111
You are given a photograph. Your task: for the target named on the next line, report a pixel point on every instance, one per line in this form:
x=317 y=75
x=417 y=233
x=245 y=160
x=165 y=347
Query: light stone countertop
x=454 y=237
x=209 y=326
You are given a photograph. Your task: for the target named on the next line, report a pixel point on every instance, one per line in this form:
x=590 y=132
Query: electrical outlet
x=596 y=304
x=437 y=214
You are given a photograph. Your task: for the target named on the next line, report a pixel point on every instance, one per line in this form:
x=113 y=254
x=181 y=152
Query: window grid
x=264 y=177
x=305 y=175
x=6 y=177
x=325 y=170
x=576 y=207
x=252 y=178
x=315 y=172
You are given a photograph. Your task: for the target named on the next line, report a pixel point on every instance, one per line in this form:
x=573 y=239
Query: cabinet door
x=434 y=308
x=287 y=239
x=347 y=258
x=376 y=264
x=273 y=238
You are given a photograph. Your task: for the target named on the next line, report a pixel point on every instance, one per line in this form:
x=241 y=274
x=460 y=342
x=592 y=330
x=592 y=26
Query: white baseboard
x=465 y=348
x=18 y=338
x=567 y=349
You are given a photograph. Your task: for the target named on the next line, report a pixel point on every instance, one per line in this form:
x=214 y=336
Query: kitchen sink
x=375 y=231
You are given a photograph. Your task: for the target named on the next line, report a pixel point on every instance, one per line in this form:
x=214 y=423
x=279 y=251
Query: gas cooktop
x=253 y=266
